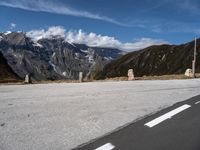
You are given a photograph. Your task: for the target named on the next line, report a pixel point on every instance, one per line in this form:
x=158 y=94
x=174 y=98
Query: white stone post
x=80 y=76
x=130 y=75
x=27 y=79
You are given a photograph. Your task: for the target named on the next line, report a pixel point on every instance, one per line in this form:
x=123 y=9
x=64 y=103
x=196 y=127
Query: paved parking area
x=65 y=115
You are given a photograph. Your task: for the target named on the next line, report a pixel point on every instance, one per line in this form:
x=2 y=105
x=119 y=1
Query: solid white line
x=197 y=102
x=107 y=146
x=167 y=116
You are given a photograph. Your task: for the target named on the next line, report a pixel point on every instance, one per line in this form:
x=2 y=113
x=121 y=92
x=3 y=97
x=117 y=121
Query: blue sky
x=126 y=21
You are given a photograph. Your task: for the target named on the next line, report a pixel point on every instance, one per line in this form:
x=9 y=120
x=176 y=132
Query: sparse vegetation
x=153 y=61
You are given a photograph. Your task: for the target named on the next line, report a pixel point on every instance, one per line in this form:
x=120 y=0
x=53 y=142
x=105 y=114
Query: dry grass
x=10 y=81
x=164 y=77
x=56 y=81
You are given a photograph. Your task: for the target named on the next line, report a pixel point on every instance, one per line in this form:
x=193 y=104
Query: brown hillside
x=154 y=60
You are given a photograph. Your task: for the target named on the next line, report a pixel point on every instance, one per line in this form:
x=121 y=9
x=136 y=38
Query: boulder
x=189 y=73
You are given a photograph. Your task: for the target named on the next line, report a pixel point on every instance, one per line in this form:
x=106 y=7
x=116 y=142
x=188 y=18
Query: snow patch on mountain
x=53 y=54
x=77 y=55
x=90 y=58
x=89 y=54
x=7 y=32
x=71 y=44
x=84 y=51
x=36 y=44
x=64 y=73
x=108 y=58
x=54 y=66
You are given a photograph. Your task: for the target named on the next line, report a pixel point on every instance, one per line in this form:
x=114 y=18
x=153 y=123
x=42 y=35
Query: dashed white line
x=197 y=102
x=107 y=146
x=167 y=116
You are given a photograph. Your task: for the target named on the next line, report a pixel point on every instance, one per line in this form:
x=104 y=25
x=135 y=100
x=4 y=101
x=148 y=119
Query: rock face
x=52 y=59
x=154 y=60
x=6 y=73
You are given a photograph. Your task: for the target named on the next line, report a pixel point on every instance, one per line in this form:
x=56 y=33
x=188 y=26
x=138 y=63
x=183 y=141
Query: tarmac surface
x=179 y=132
x=65 y=115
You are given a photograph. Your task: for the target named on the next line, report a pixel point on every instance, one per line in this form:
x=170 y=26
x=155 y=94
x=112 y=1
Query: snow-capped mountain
x=53 y=58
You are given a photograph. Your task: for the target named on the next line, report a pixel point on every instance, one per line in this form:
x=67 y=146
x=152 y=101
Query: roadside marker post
x=194 y=60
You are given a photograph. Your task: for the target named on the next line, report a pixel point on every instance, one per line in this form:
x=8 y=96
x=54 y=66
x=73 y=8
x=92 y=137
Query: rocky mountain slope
x=53 y=58
x=154 y=60
x=6 y=73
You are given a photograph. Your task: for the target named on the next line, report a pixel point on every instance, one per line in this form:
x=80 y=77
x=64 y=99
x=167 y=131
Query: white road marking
x=197 y=102
x=167 y=116
x=107 y=146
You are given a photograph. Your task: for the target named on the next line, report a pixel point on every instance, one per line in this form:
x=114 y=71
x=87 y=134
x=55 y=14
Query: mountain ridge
x=154 y=60
x=53 y=58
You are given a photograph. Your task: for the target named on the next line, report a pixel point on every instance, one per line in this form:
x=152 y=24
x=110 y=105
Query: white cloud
x=52 y=32
x=141 y=43
x=93 y=39
x=55 y=7
x=12 y=25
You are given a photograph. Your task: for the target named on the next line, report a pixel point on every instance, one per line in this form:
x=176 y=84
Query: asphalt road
x=174 y=128
x=62 y=116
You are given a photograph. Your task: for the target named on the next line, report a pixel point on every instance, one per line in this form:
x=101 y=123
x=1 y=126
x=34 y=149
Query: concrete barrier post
x=130 y=75
x=27 y=79
x=80 y=76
